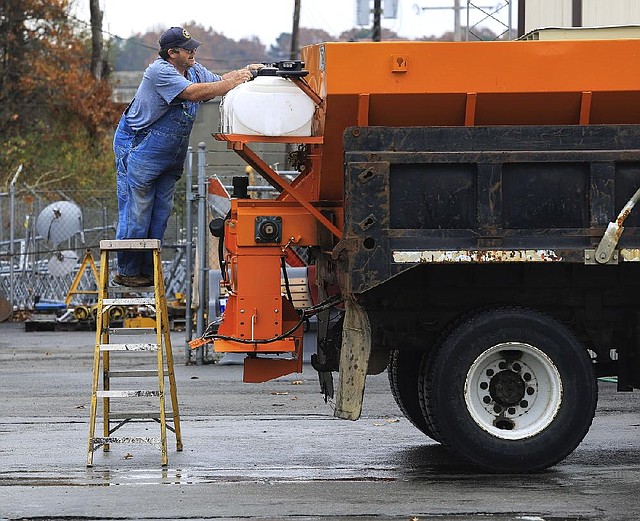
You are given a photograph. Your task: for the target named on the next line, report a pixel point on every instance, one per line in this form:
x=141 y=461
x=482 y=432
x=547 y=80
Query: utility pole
x=488 y=11
x=294 y=54
x=376 y=34
x=295 y=32
x=576 y=13
x=457 y=28
x=521 y=17
x=96 y=39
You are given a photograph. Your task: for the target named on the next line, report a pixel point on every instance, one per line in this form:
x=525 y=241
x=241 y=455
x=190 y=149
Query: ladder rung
x=135 y=373
x=128 y=347
x=130 y=244
x=130 y=330
x=138 y=415
x=131 y=289
x=131 y=301
x=144 y=393
x=131 y=439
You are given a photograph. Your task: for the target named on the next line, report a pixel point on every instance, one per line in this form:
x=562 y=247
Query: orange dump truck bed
x=471 y=83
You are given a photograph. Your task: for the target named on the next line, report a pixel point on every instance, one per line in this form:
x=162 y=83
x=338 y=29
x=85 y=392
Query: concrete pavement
x=274 y=451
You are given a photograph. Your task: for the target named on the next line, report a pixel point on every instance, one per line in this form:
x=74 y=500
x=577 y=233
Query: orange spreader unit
x=257 y=238
x=397 y=84
x=563 y=82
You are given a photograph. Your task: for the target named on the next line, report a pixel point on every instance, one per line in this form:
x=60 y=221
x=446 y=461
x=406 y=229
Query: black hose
x=286 y=279
x=304 y=314
x=223 y=267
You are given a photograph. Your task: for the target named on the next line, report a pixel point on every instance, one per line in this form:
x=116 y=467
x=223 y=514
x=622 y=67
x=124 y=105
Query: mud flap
x=354 y=360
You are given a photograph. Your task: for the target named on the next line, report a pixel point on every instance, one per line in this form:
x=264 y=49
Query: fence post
x=189 y=255
x=202 y=246
x=12 y=207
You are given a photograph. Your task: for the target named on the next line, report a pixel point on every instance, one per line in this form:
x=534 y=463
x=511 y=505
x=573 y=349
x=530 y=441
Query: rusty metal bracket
x=606 y=248
x=272 y=177
x=306 y=88
x=590 y=258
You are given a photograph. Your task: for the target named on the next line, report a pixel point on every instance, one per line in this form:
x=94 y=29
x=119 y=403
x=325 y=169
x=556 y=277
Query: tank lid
x=268 y=71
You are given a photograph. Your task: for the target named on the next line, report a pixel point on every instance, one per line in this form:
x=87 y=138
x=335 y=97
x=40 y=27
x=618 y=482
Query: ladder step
x=131 y=439
x=129 y=347
x=139 y=415
x=145 y=393
x=131 y=330
x=130 y=301
x=130 y=289
x=135 y=373
x=130 y=244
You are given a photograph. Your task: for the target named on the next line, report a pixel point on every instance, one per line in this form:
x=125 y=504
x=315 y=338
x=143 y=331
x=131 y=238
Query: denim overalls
x=149 y=162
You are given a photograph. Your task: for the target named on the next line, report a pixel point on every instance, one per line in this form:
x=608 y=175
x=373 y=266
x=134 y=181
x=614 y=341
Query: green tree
x=218 y=53
x=54 y=115
x=281 y=50
x=133 y=54
x=45 y=69
x=363 y=34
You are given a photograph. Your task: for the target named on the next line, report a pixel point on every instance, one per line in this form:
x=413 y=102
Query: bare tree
x=96 y=39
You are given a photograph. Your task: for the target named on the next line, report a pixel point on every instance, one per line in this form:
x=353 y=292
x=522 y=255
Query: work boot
x=148 y=278
x=132 y=281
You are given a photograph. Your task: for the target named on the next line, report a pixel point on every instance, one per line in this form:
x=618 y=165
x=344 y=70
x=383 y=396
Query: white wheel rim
x=513 y=391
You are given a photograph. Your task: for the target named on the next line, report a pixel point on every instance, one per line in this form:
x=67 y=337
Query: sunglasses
x=190 y=53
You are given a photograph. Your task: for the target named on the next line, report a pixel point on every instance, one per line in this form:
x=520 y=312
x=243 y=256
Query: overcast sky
x=267 y=19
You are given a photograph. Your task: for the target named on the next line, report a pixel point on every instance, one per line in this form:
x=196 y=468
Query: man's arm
x=209 y=90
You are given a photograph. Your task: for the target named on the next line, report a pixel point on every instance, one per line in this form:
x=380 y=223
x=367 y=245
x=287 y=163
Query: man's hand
x=207 y=91
x=237 y=77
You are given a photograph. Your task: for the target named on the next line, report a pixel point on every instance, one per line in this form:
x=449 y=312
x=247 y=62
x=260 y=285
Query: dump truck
x=468 y=209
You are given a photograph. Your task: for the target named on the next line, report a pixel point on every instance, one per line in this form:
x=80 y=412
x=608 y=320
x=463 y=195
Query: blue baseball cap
x=178 y=37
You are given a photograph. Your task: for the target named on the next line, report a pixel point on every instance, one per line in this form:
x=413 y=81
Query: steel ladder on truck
x=153 y=297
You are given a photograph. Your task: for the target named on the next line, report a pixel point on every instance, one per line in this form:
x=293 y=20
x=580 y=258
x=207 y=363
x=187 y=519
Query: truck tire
x=510 y=390
x=404 y=372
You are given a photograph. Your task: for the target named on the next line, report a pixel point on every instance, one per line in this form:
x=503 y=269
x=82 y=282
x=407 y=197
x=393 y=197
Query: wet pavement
x=274 y=451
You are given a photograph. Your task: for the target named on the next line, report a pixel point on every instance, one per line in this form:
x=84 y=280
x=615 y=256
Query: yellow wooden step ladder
x=154 y=298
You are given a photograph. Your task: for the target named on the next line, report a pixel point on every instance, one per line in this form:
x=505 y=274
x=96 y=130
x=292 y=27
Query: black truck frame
x=481 y=255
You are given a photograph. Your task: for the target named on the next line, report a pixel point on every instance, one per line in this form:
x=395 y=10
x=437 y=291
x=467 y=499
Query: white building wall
x=610 y=12
x=547 y=13
x=558 y=13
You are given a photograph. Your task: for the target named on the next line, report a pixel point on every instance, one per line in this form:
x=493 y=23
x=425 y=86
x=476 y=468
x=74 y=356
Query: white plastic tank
x=267 y=106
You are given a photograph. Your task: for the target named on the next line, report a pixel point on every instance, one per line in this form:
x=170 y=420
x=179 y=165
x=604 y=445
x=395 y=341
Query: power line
x=140 y=43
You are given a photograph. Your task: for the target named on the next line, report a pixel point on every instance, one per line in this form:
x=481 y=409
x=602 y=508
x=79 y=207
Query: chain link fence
x=45 y=239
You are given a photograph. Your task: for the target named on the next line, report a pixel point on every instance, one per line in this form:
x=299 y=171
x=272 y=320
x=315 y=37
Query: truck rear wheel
x=403 y=372
x=511 y=390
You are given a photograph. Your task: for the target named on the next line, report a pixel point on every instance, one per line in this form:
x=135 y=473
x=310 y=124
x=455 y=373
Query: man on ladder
x=151 y=144
x=150 y=147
